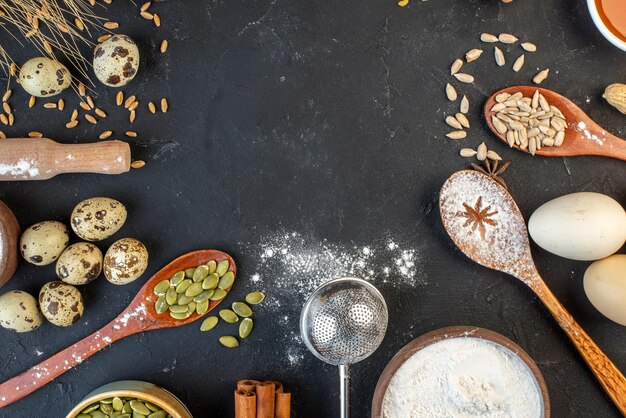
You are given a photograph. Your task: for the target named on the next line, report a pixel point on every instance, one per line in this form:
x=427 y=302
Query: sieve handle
x=344 y=390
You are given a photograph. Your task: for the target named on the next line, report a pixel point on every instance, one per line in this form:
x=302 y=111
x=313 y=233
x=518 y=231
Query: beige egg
x=44 y=242
x=116 y=61
x=80 y=263
x=579 y=226
x=97 y=218
x=44 y=77
x=19 y=312
x=125 y=261
x=605 y=286
x=61 y=303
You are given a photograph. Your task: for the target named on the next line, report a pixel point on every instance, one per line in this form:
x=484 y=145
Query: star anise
x=493 y=170
x=478 y=216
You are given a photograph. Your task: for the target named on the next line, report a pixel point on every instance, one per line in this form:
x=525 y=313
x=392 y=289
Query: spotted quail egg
x=125 y=261
x=116 y=60
x=80 y=263
x=44 y=242
x=19 y=312
x=61 y=303
x=44 y=77
x=97 y=218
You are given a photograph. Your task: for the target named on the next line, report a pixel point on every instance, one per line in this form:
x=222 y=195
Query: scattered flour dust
x=463 y=378
x=24 y=169
x=290 y=265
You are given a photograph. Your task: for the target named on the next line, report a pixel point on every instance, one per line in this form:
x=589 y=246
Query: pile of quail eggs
x=43 y=243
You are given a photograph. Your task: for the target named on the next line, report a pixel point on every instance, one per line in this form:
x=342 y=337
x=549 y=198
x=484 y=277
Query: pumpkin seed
x=194 y=290
x=204 y=296
x=177 y=278
x=161 y=287
x=209 y=323
x=227 y=280
x=158 y=414
x=245 y=328
x=171 y=296
x=152 y=406
x=200 y=273
x=139 y=407
x=127 y=409
x=202 y=307
x=160 y=306
x=211 y=281
x=106 y=408
x=229 y=341
x=117 y=403
x=178 y=308
x=255 y=298
x=242 y=309
x=183 y=286
x=184 y=299
x=229 y=316
x=212 y=265
x=181 y=316
x=222 y=267
x=191 y=307
x=98 y=414
x=218 y=294
x=189 y=272
x=83 y=416
x=90 y=408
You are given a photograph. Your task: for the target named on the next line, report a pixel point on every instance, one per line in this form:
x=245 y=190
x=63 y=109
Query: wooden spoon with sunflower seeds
x=583 y=136
x=483 y=220
x=139 y=316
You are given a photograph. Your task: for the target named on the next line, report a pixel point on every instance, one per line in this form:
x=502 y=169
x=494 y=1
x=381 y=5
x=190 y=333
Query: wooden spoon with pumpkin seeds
x=139 y=316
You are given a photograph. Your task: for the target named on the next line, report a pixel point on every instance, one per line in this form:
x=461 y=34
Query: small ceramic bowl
x=135 y=389
x=606 y=32
x=454 y=332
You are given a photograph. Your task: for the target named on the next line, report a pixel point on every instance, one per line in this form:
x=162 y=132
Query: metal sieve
x=343 y=322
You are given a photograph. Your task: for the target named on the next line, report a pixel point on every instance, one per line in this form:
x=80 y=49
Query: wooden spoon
x=139 y=316
x=42 y=158
x=483 y=220
x=582 y=135
x=9 y=238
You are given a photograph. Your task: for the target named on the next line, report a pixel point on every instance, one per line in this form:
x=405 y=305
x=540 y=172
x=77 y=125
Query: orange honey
x=613 y=14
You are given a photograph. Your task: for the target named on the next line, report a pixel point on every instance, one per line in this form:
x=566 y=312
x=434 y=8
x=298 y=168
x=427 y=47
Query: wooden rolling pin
x=41 y=158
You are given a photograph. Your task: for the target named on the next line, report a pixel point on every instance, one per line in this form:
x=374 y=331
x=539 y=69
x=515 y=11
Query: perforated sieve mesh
x=345 y=321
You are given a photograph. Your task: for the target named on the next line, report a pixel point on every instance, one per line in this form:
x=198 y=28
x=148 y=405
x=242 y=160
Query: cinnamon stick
x=245 y=404
x=249 y=385
x=265 y=396
x=283 y=405
x=278 y=387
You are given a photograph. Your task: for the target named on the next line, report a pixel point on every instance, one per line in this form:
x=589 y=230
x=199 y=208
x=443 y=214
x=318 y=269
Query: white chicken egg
x=605 y=286
x=579 y=226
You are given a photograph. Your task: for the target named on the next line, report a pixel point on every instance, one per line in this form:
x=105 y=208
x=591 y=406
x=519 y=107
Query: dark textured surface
x=323 y=118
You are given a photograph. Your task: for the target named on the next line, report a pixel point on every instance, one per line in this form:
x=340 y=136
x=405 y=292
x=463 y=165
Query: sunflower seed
x=507 y=38
x=451 y=92
x=499 y=56
x=489 y=38
x=451 y=120
x=502 y=97
x=464 y=78
x=558 y=138
x=473 y=55
x=464 y=104
x=481 y=152
x=519 y=62
x=498 y=107
x=499 y=125
x=462 y=120
x=456 y=66
x=510 y=138
x=528 y=46
x=456 y=134
x=493 y=156
x=467 y=152
x=541 y=76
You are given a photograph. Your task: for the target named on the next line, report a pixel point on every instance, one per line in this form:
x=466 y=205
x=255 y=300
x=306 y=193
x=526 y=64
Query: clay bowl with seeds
x=139 y=316
x=582 y=136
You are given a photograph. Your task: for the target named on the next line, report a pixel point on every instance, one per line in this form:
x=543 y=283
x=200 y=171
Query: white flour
x=288 y=266
x=462 y=378
x=22 y=169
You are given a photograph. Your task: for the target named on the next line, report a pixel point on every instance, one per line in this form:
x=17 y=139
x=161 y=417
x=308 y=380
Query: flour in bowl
x=463 y=377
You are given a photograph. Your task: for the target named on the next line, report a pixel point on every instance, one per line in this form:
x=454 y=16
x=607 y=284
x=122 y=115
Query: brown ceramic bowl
x=135 y=389
x=454 y=332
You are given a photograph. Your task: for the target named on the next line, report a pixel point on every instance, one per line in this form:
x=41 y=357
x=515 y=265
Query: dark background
x=325 y=118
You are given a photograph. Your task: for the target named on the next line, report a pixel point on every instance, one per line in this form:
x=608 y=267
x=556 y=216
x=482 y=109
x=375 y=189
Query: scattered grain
x=7 y=95
x=134 y=106
x=137 y=163
x=132 y=116
x=4 y=119
x=104 y=37
x=145 y=6
x=35 y=134
x=6 y=107
x=164 y=46
x=50 y=105
x=111 y=25
x=74 y=114
x=129 y=101
x=61 y=104
x=91 y=119
x=152 y=107
x=71 y=124
x=157 y=20
x=105 y=134
x=147 y=15
x=131 y=134
x=164 y=105
x=32 y=101
x=119 y=98
x=84 y=105
x=81 y=89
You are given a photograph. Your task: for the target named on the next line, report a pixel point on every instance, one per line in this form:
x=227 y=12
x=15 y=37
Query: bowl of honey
x=610 y=18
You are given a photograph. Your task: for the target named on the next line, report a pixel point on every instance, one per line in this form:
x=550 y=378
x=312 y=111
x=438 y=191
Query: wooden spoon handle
x=32 y=379
x=42 y=158
x=609 y=376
